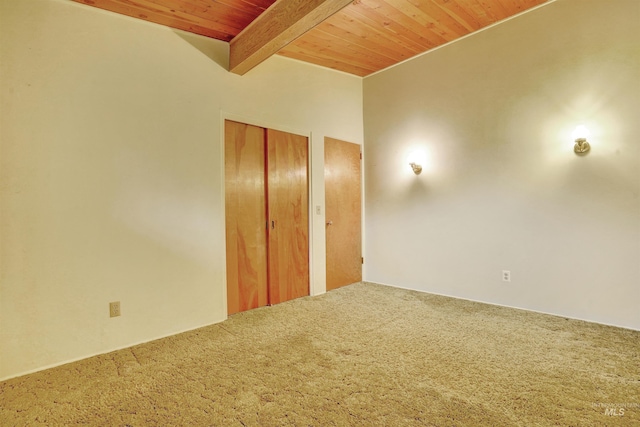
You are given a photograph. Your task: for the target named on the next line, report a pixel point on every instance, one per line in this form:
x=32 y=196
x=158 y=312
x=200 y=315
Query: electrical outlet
x=506 y=275
x=114 y=309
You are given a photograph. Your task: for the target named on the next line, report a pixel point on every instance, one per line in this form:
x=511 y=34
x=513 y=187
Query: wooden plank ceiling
x=364 y=37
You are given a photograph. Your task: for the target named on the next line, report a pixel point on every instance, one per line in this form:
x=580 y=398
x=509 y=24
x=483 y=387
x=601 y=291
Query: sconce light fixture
x=416 y=168
x=580 y=135
x=417 y=159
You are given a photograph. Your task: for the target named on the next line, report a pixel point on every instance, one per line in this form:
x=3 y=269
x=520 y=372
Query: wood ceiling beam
x=275 y=28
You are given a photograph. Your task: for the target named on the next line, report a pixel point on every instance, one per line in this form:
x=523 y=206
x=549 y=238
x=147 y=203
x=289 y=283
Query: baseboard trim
x=77 y=359
x=504 y=305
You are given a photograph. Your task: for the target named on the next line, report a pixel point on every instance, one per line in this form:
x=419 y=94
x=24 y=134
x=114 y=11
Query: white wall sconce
x=580 y=135
x=416 y=168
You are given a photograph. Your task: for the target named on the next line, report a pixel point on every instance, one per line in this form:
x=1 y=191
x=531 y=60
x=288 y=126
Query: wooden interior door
x=246 y=217
x=288 y=211
x=343 y=212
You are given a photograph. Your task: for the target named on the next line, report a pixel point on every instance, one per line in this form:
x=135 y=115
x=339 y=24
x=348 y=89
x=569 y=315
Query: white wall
x=111 y=174
x=502 y=188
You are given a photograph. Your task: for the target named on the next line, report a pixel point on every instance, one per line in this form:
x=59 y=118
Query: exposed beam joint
x=276 y=27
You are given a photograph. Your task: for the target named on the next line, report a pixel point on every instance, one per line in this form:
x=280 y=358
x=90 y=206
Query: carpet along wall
x=491 y=118
x=111 y=174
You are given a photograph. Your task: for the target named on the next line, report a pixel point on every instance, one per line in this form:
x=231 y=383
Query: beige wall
x=502 y=188
x=111 y=167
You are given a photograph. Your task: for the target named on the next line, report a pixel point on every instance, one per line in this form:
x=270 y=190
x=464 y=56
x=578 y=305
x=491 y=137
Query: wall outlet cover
x=114 y=309
x=506 y=275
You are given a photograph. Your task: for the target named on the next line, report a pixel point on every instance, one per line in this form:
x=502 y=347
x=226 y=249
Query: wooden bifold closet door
x=267 y=216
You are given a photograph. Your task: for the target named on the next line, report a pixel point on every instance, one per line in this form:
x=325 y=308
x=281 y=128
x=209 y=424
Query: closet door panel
x=343 y=201
x=287 y=192
x=246 y=217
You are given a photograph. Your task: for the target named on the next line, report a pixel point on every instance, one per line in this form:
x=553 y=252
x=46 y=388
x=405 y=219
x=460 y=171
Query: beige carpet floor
x=364 y=355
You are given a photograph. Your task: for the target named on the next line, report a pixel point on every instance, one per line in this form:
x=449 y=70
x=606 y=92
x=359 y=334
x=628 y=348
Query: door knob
x=330 y=223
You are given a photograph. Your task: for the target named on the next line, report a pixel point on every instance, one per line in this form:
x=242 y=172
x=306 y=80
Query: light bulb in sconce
x=416 y=160
x=580 y=135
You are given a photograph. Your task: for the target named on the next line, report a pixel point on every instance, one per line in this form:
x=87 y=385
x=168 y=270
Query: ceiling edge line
x=324 y=67
x=547 y=3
